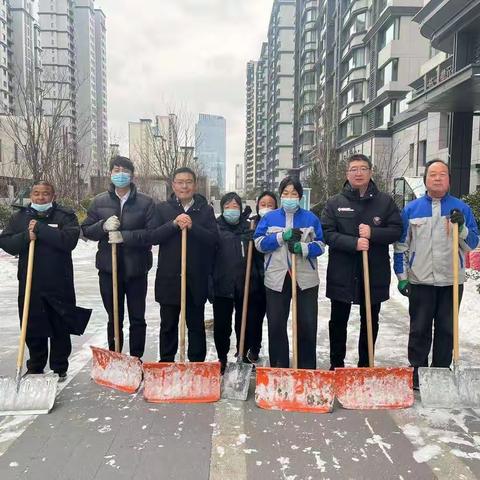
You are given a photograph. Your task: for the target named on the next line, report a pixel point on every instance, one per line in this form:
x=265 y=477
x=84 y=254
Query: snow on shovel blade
x=236 y=380
x=36 y=394
x=294 y=390
x=444 y=388
x=193 y=382
x=374 y=388
x=116 y=370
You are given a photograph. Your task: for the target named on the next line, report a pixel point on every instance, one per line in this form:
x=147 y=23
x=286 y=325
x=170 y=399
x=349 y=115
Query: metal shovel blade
x=35 y=395
x=169 y=382
x=295 y=390
x=374 y=388
x=116 y=370
x=236 y=380
x=445 y=388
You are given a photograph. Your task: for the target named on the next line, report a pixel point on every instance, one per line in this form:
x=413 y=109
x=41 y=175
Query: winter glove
x=456 y=216
x=115 y=237
x=404 y=287
x=111 y=224
x=292 y=234
x=295 y=247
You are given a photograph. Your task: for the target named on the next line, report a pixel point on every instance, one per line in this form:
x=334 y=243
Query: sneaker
x=252 y=357
x=62 y=376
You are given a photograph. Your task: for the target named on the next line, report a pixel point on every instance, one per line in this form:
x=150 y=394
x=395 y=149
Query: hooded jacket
x=341 y=217
x=136 y=218
x=201 y=243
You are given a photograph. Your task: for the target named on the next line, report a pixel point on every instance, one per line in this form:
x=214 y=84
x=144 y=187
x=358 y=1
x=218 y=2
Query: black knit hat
x=228 y=197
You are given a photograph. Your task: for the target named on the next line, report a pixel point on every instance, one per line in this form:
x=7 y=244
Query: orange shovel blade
x=116 y=370
x=197 y=382
x=374 y=388
x=294 y=390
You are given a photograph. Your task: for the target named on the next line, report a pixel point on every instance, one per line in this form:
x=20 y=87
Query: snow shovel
x=170 y=382
x=293 y=389
x=115 y=369
x=236 y=379
x=31 y=394
x=373 y=387
x=442 y=387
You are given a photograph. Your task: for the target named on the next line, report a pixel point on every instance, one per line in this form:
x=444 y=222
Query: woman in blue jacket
x=291 y=229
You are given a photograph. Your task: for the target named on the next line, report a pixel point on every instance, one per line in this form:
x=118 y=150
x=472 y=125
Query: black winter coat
x=57 y=233
x=341 y=218
x=230 y=258
x=201 y=243
x=136 y=219
x=257 y=282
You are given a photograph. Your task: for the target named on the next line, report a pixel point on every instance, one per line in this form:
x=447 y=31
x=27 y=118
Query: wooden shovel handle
x=116 y=319
x=456 y=352
x=368 y=308
x=183 y=296
x=294 y=312
x=246 y=291
x=26 y=305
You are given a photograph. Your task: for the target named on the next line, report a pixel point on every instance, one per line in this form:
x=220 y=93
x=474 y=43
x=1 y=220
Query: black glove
x=296 y=235
x=456 y=216
x=247 y=235
x=291 y=246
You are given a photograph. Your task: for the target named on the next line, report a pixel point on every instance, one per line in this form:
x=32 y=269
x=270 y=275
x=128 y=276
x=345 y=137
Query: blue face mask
x=41 y=207
x=290 y=204
x=231 y=215
x=121 y=179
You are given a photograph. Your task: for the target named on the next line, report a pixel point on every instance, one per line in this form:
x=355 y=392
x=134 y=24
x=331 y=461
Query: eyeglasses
x=184 y=183
x=359 y=169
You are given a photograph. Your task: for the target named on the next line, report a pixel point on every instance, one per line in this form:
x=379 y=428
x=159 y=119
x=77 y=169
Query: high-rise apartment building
x=210 y=148
x=250 y=138
x=5 y=61
x=261 y=92
x=280 y=90
x=101 y=86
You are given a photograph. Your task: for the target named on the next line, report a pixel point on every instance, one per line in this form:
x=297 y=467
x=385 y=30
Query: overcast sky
x=190 y=53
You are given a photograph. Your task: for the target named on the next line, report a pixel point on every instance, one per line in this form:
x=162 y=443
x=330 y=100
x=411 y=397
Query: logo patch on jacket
x=345 y=209
x=377 y=221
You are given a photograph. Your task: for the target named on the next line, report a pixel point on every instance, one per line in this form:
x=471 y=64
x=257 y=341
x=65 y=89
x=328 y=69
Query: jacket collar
x=132 y=196
x=354 y=194
x=199 y=201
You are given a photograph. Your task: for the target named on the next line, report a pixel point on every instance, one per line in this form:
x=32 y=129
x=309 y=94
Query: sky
x=186 y=55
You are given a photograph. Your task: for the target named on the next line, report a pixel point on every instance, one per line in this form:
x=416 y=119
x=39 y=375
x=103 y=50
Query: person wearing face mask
x=123 y=216
x=229 y=272
x=55 y=230
x=280 y=233
x=257 y=303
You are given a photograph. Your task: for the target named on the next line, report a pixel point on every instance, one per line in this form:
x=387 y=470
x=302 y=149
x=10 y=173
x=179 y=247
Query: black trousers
x=257 y=308
x=197 y=343
x=337 y=327
x=278 y=308
x=222 y=323
x=135 y=289
x=431 y=306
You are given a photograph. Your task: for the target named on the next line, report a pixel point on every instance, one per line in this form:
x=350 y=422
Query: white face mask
x=263 y=211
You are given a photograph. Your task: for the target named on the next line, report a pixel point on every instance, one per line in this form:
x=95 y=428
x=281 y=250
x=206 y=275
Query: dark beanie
x=228 y=197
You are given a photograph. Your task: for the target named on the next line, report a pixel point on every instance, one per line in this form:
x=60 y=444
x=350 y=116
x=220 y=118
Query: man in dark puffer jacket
x=360 y=218
x=123 y=215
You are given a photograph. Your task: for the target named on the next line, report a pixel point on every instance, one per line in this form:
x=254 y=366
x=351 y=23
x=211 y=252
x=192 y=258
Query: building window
x=411 y=155
x=443 y=131
x=422 y=153
x=391 y=32
x=389 y=73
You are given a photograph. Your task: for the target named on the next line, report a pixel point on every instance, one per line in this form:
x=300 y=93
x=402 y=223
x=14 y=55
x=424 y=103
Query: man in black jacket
x=55 y=230
x=360 y=218
x=122 y=215
x=184 y=210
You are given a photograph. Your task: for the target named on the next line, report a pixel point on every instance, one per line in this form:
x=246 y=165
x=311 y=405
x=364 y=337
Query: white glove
x=111 y=224
x=115 y=237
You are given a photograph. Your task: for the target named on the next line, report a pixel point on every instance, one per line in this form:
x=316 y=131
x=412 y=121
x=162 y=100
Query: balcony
x=443 y=89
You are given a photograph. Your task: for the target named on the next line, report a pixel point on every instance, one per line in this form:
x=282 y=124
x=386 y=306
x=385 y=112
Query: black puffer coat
x=230 y=257
x=341 y=218
x=201 y=243
x=57 y=233
x=136 y=219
